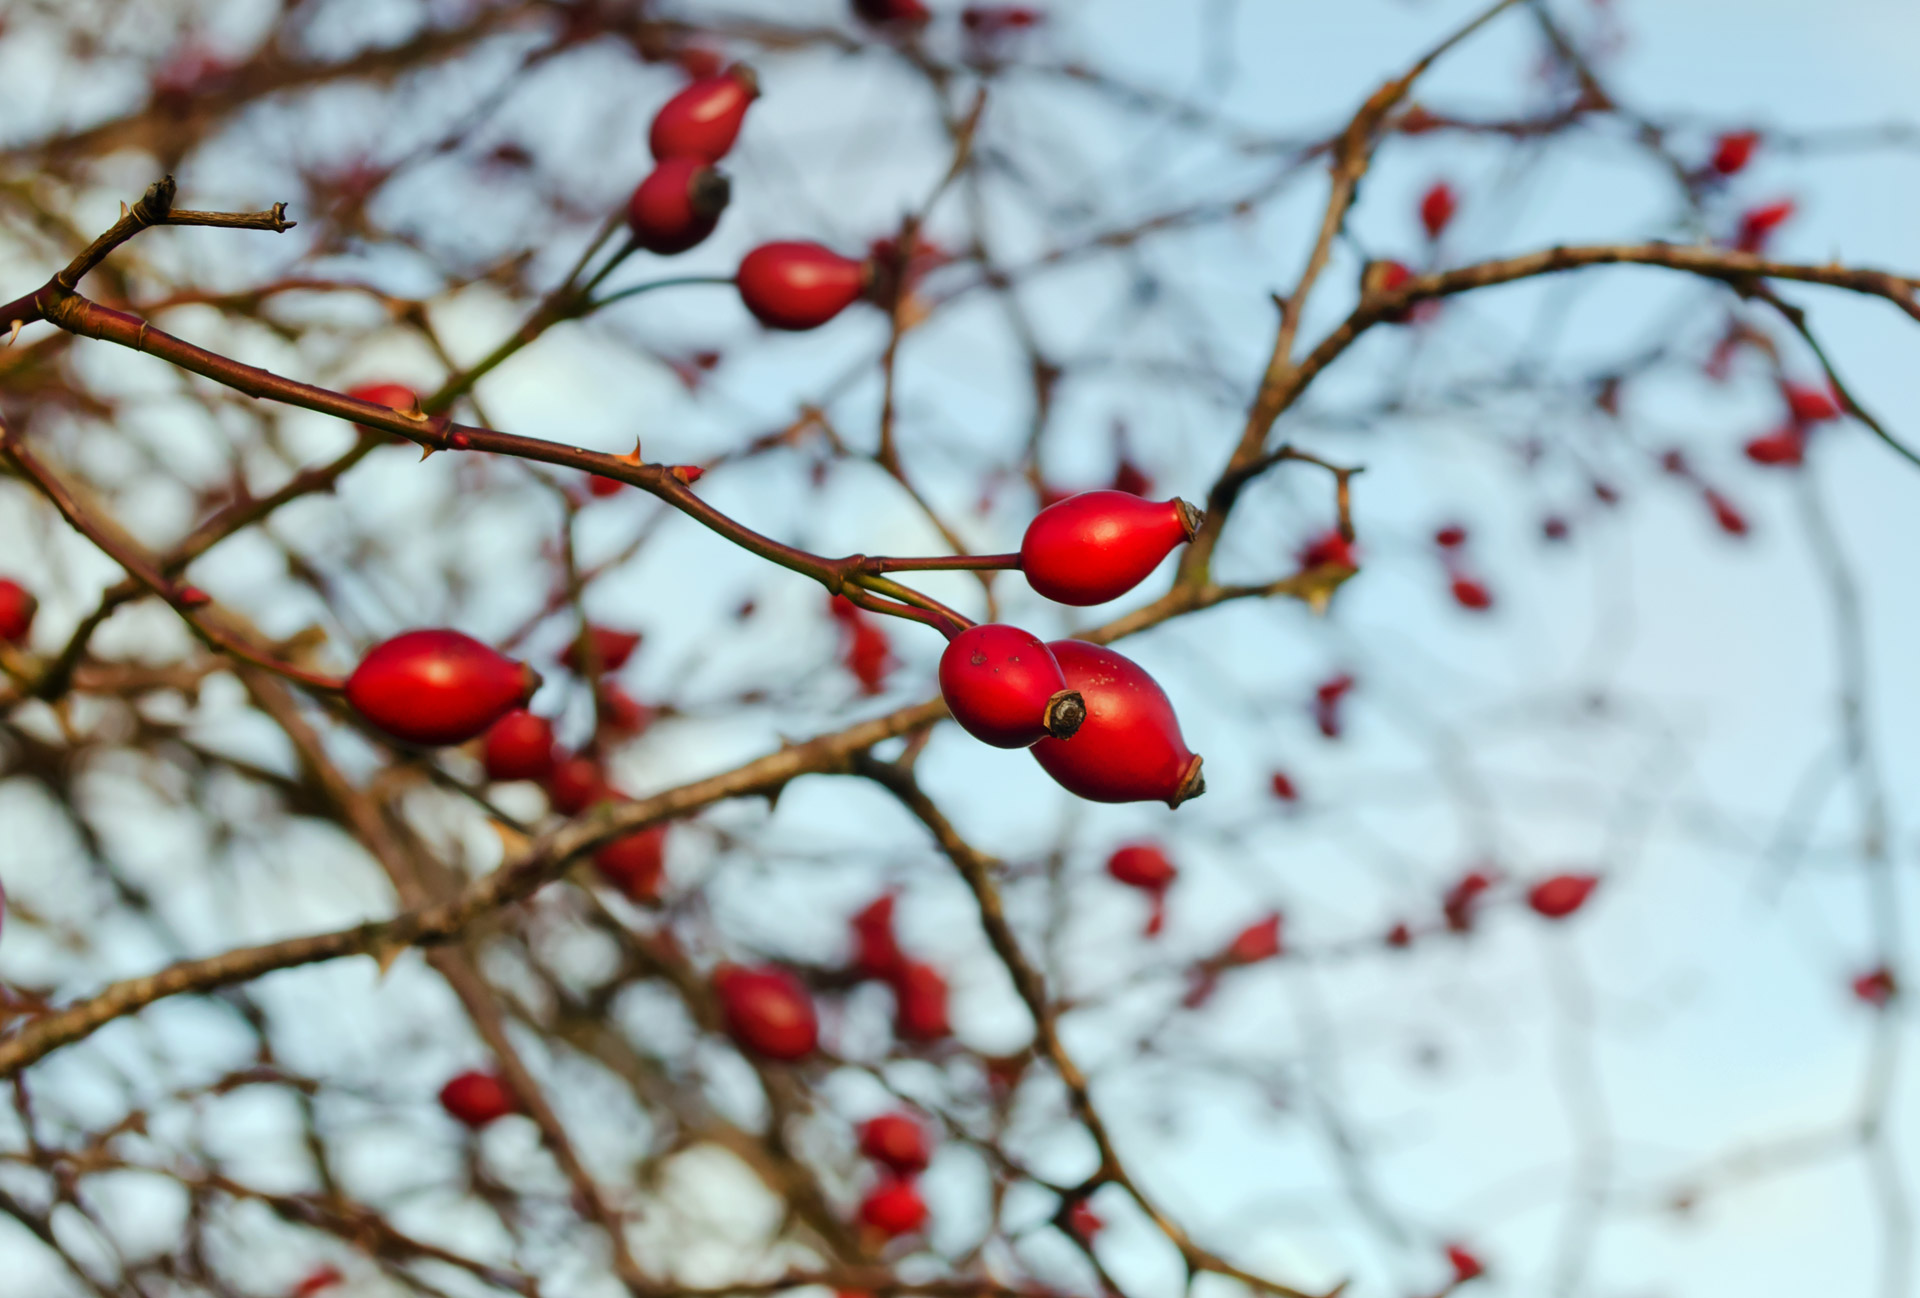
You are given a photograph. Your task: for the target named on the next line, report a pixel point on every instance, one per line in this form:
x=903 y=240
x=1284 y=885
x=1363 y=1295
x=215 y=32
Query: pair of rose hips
x=919 y=989
x=1094 y=720
x=899 y=1144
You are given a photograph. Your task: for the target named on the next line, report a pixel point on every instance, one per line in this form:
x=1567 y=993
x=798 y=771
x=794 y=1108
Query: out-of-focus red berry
x=1734 y=150
x=1328 y=549
x=1258 y=941
x=1461 y=901
x=894 y=1207
x=920 y=1002
x=1466 y=1265
x=1725 y=515
x=1471 y=594
x=767 y=1011
x=1782 y=448
x=1811 y=405
x=1561 y=895
x=1437 y=208
x=898 y=1141
x=17 y=607
x=1283 y=787
x=876 y=952
x=1876 y=987
x=1757 y=224
x=476 y=1098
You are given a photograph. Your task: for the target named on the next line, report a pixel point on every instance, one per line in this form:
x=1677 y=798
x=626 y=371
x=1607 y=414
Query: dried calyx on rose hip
x=704 y=120
x=1004 y=687
x=437 y=686
x=767 y=1011
x=1129 y=748
x=1099 y=545
x=797 y=286
x=677 y=206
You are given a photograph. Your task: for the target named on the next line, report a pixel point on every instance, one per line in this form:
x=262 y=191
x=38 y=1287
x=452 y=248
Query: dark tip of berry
x=1065 y=711
x=710 y=192
x=747 y=77
x=1192 y=784
x=1191 y=517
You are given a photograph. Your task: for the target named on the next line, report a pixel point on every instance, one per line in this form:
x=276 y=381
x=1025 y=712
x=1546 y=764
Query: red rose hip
x=897 y=1141
x=477 y=1098
x=1147 y=867
x=1099 y=545
x=1004 y=687
x=636 y=863
x=1563 y=894
x=575 y=784
x=395 y=396
x=1129 y=748
x=17 y=607
x=798 y=286
x=920 y=1002
x=519 y=747
x=876 y=951
x=703 y=121
x=677 y=206
x=894 y=1207
x=437 y=686
x=767 y=1011
x=610 y=647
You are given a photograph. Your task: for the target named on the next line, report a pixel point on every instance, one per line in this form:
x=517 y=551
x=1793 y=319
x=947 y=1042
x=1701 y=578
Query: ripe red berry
x=1732 y=151
x=1099 y=545
x=519 y=747
x=1329 y=549
x=1875 y=987
x=898 y=1141
x=395 y=396
x=677 y=206
x=1129 y=749
x=1005 y=688
x=1284 y=788
x=1466 y=1266
x=1450 y=537
x=1811 y=405
x=17 y=607
x=611 y=647
x=635 y=863
x=1258 y=941
x=703 y=120
x=477 y=1098
x=437 y=686
x=894 y=1207
x=798 y=286
x=920 y=1002
x=869 y=655
x=1782 y=448
x=577 y=783
x=1471 y=595
x=1437 y=207
x=767 y=1011
x=1563 y=894
x=876 y=952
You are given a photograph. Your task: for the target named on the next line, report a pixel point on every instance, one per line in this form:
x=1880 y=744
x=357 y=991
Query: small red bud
x=1099 y=545
x=920 y=1002
x=703 y=120
x=1734 y=150
x=1450 y=537
x=1329 y=549
x=1083 y=1221
x=1399 y=937
x=394 y=396
x=1437 y=208
x=1563 y=894
x=519 y=747
x=1757 y=224
x=898 y=1141
x=893 y=1208
x=1783 y=448
x=1129 y=748
x=1471 y=595
x=192 y=597
x=317 y=1281
x=677 y=206
x=437 y=686
x=1258 y=941
x=798 y=286
x=1811 y=405
x=1729 y=519
x=1284 y=788
x=1005 y=688
x=477 y=1098
x=603 y=487
x=1875 y=987
x=876 y=952
x=767 y=1011
x=688 y=474
x=1466 y=1266
x=1463 y=898
x=17 y=607
x=611 y=647
x=577 y=783
x=636 y=863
